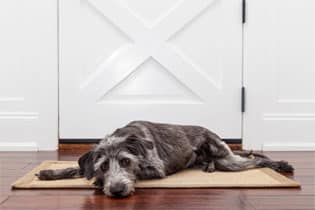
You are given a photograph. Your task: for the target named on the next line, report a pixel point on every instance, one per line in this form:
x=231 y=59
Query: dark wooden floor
x=15 y=164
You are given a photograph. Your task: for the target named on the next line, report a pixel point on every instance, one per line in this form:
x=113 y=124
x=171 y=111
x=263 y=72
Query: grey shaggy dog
x=147 y=150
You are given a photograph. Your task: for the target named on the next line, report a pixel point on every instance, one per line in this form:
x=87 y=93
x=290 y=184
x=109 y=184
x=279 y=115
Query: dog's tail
x=65 y=173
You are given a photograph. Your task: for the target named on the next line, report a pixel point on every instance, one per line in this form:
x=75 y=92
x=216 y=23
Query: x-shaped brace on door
x=148 y=42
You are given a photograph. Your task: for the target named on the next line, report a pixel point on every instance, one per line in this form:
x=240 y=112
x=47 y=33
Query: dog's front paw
x=99 y=183
x=45 y=175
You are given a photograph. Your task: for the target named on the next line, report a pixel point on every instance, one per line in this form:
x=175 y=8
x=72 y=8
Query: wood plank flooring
x=15 y=164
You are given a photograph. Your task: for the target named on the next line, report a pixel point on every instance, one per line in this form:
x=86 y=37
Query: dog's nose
x=117 y=189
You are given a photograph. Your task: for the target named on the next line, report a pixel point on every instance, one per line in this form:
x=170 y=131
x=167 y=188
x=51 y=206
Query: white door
x=280 y=75
x=175 y=61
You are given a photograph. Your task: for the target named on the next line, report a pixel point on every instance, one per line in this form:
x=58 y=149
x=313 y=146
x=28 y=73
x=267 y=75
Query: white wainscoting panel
x=28 y=75
x=279 y=75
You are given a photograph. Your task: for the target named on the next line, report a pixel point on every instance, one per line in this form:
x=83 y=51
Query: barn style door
x=175 y=61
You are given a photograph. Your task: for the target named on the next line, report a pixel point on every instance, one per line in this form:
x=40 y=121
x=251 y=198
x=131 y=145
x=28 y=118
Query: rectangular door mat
x=190 y=178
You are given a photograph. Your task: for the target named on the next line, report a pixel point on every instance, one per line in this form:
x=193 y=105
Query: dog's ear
x=137 y=145
x=87 y=165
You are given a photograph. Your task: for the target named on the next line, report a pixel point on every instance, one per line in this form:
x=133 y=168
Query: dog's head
x=114 y=162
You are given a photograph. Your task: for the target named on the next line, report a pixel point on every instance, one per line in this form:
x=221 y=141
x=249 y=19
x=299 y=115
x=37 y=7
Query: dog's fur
x=147 y=150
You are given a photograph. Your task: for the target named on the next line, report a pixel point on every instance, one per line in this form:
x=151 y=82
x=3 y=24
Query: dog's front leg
x=99 y=183
x=149 y=172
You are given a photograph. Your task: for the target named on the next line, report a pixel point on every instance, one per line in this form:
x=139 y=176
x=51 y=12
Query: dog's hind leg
x=214 y=149
x=209 y=150
x=250 y=154
x=208 y=166
x=238 y=163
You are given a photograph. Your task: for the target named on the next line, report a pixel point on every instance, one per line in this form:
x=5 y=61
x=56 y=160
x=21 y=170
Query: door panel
x=279 y=75
x=167 y=61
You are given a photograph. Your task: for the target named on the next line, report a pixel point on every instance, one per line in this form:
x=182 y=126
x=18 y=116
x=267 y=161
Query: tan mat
x=191 y=178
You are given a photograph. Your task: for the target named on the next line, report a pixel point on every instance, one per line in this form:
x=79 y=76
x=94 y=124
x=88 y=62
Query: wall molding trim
x=289 y=116
x=19 y=115
x=18 y=146
x=294 y=146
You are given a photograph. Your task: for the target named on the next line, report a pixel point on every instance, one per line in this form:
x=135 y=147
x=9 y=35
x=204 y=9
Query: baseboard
x=303 y=146
x=95 y=141
x=75 y=147
x=86 y=147
x=86 y=144
x=79 y=141
x=18 y=146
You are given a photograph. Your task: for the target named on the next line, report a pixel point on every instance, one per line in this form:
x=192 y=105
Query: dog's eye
x=105 y=166
x=125 y=162
x=98 y=156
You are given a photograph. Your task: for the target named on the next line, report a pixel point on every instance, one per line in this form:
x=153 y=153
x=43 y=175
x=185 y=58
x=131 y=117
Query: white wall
x=28 y=75
x=279 y=75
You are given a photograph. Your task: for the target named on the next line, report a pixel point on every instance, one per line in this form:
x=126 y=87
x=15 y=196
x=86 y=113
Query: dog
x=146 y=150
